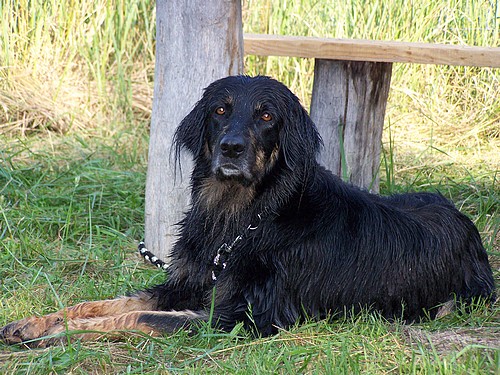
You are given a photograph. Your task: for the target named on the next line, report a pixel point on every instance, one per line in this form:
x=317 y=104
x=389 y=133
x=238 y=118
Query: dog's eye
x=266 y=117
x=220 y=111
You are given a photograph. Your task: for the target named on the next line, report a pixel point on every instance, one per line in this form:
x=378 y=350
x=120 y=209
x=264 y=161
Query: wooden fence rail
x=370 y=50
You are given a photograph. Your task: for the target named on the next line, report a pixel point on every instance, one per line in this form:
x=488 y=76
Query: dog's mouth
x=233 y=172
x=230 y=170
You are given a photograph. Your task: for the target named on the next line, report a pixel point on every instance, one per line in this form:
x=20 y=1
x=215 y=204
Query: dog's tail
x=150 y=257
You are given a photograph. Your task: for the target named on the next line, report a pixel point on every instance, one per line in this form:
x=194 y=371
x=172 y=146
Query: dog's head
x=245 y=127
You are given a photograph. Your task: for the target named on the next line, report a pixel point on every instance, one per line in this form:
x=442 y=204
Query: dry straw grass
x=29 y=104
x=74 y=66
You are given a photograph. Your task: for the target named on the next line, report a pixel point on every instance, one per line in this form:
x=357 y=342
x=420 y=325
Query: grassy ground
x=75 y=99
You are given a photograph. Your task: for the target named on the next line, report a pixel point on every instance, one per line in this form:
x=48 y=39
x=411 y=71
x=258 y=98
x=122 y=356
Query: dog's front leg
x=153 y=323
x=33 y=328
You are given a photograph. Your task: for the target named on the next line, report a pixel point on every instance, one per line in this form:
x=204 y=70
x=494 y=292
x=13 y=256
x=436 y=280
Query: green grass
x=75 y=102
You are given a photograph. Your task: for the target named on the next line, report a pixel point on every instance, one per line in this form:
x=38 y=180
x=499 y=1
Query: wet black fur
x=323 y=246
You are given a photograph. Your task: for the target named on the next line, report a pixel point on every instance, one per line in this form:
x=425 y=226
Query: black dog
x=281 y=238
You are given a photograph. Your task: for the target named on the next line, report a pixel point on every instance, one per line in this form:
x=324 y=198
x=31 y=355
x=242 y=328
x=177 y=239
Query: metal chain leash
x=224 y=250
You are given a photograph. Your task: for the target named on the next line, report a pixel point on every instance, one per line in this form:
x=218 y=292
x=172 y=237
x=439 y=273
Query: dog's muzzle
x=232 y=159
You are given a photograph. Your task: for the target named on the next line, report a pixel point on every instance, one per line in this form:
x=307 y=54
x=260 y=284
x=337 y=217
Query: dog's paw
x=29 y=330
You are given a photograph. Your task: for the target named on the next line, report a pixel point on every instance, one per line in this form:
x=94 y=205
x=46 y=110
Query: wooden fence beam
x=371 y=50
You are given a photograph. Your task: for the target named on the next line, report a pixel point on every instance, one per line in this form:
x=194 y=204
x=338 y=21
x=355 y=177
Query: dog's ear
x=190 y=134
x=299 y=138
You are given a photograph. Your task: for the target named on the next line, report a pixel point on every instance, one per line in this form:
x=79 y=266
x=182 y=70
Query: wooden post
x=348 y=106
x=197 y=42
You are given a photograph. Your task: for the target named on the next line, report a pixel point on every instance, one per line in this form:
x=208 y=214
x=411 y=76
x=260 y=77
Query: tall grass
x=75 y=96
x=75 y=64
x=89 y=65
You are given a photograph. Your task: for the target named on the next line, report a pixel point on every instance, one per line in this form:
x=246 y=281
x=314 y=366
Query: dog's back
x=413 y=200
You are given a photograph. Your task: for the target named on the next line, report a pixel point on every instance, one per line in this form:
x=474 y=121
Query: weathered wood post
x=348 y=106
x=197 y=41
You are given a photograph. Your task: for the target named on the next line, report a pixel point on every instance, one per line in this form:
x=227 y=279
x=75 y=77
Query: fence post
x=197 y=42
x=348 y=105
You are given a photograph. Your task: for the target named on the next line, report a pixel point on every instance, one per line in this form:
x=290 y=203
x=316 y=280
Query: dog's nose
x=232 y=146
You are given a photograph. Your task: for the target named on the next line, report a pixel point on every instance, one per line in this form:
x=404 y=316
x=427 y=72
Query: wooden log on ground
x=197 y=42
x=348 y=105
